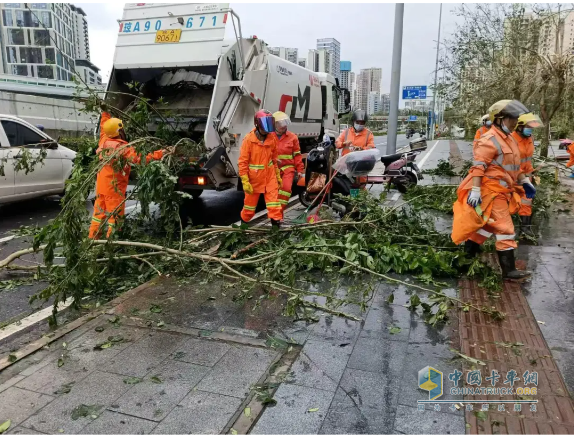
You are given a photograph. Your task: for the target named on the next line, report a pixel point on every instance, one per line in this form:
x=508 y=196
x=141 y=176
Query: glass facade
x=43 y=36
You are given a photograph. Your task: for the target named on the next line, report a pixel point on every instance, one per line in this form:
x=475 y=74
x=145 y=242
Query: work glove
x=474 y=198
x=247 y=188
x=528 y=188
x=279 y=179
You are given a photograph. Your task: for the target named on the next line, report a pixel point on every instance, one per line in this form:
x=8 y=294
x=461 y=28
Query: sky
x=365 y=32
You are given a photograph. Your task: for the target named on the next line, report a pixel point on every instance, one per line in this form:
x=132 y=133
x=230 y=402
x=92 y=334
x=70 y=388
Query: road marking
x=396 y=196
x=423 y=161
x=32 y=319
x=7 y=238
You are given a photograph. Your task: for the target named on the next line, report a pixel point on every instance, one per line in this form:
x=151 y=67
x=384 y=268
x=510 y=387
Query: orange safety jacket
x=363 y=139
x=526 y=147
x=289 y=153
x=109 y=181
x=481 y=131
x=258 y=160
x=497 y=161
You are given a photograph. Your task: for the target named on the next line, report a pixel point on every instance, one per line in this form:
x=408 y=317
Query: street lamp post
x=433 y=118
x=395 y=79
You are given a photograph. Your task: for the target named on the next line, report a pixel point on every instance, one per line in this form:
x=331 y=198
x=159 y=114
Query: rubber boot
x=471 y=248
x=275 y=225
x=526 y=227
x=509 y=271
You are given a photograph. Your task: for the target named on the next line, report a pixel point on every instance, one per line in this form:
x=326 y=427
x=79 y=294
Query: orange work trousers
x=106 y=206
x=500 y=225
x=274 y=210
x=285 y=190
x=525 y=203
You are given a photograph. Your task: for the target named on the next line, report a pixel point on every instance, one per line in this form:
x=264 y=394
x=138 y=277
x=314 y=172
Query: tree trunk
x=545 y=142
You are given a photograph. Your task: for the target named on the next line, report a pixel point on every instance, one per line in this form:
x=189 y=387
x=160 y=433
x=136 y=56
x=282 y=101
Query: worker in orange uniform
x=111 y=184
x=486 y=124
x=357 y=137
x=258 y=169
x=523 y=137
x=486 y=197
x=289 y=158
x=570 y=151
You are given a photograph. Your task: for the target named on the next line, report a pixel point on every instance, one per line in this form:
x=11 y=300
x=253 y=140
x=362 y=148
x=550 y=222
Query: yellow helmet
x=507 y=108
x=281 y=117
x=112 y=127
x=530 y=120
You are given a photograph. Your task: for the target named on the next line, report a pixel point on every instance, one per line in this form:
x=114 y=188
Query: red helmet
x=264 y=121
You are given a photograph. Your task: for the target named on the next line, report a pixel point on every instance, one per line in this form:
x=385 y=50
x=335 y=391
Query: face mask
x=358 y=127
x=505 y=129
x=488 y=123
x=527 y=131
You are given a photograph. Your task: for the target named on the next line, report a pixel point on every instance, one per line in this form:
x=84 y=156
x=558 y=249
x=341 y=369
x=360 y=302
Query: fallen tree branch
x=247 y=248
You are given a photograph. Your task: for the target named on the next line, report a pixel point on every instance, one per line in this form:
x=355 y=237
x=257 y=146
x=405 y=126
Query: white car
x=47 y=177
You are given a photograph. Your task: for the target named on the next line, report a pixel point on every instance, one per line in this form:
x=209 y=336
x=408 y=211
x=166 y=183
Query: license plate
x=167 y=36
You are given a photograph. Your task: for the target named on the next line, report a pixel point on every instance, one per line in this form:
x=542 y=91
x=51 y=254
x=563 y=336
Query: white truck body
x=215 y=86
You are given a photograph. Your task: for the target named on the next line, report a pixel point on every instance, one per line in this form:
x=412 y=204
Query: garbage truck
x=210 y=87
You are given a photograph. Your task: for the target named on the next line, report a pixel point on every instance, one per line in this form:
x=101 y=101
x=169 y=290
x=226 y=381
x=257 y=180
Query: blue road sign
x=412 y=118
x=414 y=92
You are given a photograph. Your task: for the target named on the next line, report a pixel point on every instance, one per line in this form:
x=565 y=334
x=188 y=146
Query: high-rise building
x=353 y=89
x=290 y=54
x=345 y=81
x=302 y=62
x=373 y=102
x=369 y=80
x=385 y=103
x=44 y=40
x=319 y=61
x=334 y=48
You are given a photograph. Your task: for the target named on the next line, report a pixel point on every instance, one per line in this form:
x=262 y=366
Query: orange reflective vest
x=258 y=159
x=481 y=131
x=289 y=153
x=526 y=147
x=363 y=140
x=110 y=181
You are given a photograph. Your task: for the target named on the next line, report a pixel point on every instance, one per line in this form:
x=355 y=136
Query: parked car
x=47 y=177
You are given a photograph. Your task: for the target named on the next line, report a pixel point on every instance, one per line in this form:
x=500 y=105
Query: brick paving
x=492 y=342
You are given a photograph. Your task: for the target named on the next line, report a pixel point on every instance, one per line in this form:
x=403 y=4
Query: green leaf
x=83 y=411
x=233 y=431
x=12 y=358
x=5 y=426
x=394 y=330
x=160 y=324
x=314 y=409
x=155 y=379
x=391 y=298
x=60 y=362
x=480 y=415
x=247 y=411
x=64 y=389
x=99 y=329
x=132 y=380
x=114 y=320
x=155 y=309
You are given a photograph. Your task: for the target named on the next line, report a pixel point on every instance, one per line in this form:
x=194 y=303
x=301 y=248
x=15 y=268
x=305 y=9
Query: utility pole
x=433 y=117
x=395 y=79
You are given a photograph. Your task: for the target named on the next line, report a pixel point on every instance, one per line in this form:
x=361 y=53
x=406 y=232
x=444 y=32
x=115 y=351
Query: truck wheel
x=196 y=193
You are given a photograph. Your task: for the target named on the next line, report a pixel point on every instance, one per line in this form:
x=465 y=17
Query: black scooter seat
x=389 y=159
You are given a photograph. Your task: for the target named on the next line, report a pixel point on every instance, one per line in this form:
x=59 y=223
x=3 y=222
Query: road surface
x=212 y=208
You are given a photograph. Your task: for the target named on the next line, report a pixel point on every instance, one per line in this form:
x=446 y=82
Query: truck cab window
x=335 y=93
